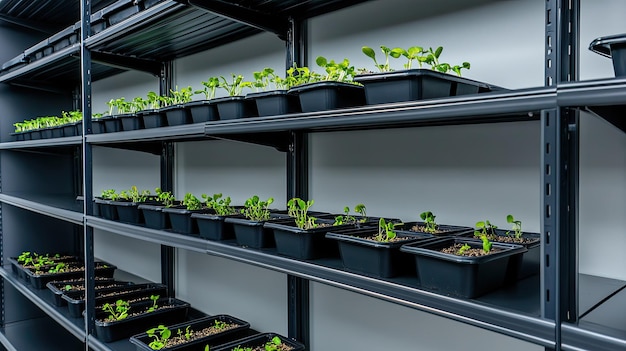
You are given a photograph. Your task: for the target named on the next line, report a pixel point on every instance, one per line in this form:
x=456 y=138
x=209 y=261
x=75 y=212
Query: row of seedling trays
x=361 y=244
x=143 y=312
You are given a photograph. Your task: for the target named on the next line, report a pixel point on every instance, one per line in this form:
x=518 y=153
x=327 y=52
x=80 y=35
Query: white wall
x=462 y=173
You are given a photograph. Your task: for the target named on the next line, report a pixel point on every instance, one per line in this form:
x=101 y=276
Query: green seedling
x=154 y=100
x=191 y=202
x=219 y=325
x=155 y=300
x=346 y=218
x=134 y=195
x=429 y=221
x=486 y=243
x=298 y=209
x=236 y=86
x=209 y=87
x=385 y=231
x=160 y=335
x=384 y=67
x=300 y=75
x=165 y=197
x=25 y=257
x=336 y=71
x=220 y=204
x=117 y=311
x=67 y=287
x=58 y=268
x=360 y=209
x=109 y=194
x=463 y=249
x=517 y=226
x=187 y=334
x=257 y=210
x=485 y=228
x=180 y=96
x=273 y=345
x=265 y=78
x=432 y=59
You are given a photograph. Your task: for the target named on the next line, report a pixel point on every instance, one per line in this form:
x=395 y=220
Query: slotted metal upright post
x=297 y=186
x=559 y=128
x=85 y=67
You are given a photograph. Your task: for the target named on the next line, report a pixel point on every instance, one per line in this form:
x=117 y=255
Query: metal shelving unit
x=172 y=29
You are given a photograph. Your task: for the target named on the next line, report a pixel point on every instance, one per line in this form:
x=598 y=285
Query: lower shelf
x=38 y=334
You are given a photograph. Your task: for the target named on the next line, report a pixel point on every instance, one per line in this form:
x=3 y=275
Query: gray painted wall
x=462 y=173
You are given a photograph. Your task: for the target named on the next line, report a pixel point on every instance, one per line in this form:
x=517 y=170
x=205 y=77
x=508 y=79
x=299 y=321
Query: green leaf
x=510 y=219
x=396 y=52
x=321 y=61
x=369 y=52
x=438 y=51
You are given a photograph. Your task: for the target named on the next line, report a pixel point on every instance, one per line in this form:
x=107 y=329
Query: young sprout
x=429 y=220
x=165 y=197
x=360 y=209
x=236 y=86
x=486 y=243
x=210 y=85
x=191 y=202
x=517 y=226
x=155 y=306
x=160 y=336
x=385 y=231
x=298 y=209
x=395 y=53
x=117 y=311
x=463 y=249
x=485 y=228
x=220 y=324
x=257 y=210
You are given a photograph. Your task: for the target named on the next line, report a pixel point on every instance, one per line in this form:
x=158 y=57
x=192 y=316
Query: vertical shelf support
x=85 y=58
x=560 y=168
x=167 y=184
x=297 y=186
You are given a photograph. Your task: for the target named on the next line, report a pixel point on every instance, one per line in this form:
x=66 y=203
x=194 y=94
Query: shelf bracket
x=126 y=62
x=260 y=20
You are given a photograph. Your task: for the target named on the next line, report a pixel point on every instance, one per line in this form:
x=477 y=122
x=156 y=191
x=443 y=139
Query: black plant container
x=46 y=133
x=35 y=134
x=105 y=209
x=415 y=84
x=461 y=276
x=176 y=115
x=275 y=102
x=251 y=233
x=181 y=220
x=327 y=95
x=370 y=257
x=527 y=264
x=202 y=111
x=57 y=132
x=112 y=124
x=39 y=281
x=142 y=341
x=19 y=136
x=234 y=107
x=57 y=291
x=614 y=47
x=128 y=211
x=131 y=121
x=73 y=129
x=310 y=244
x=125 y=328
x=445 y=230
x=258 y=341
x=76 y=299
x=154 y=216
x=213 y=227
x=97 y=126
x=153 y=119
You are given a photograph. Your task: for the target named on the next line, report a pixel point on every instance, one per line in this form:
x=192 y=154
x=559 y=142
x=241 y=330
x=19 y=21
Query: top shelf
x=163 y=31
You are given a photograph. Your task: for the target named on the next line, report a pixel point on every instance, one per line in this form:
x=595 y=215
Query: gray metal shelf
x=37 y=334
x=74 y=141
x=514 y=311
x=508 y=106
x=62 y=207
x=76 y=326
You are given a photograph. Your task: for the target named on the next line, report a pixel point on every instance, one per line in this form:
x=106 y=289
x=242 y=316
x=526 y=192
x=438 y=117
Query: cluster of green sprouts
x=118 y=310
x=430 y=226
x=485 y=230
x=166 y=198
x=133 y=194
x=386 y=231
x=48 y=121
x=221 y=205
x=298 y=209
x=191 y=202
x=272 y=345
x=418 y=54
x=32 y=259
x=257 y=210
x=347 y=218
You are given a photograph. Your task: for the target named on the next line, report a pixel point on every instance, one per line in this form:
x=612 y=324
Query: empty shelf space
x=64 y=207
